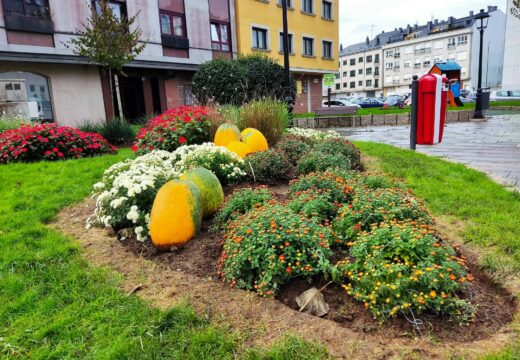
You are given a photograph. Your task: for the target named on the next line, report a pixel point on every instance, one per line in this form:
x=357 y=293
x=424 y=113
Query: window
x=352 y=73
x=345 y=74
x=345 y=62
x=437 y=59
x=369 y=83
x=451 y=42
x=220 y=36
x=308 y=46
x=308 y=6
x=117 y=7
x=352 y=84
x=289 y=3
x=326 y=9
x=389 y=65
x=369 y=71
x=389 y=53
x=376 y=59
x=397 y=53
x=327 y=49
x=427 y=63
x=462 y=40
x=29 y=8
x=338 y=86
x=360 y=72
x=352 y=61
x=259 y=38
x=376 y=83
x=345 y=84
x=360 y=60
x=291 y=45
x=369 y=58
x=408 y=64
x=376 y=71
x=337 y=76
x=172 y=24
x=360 y=83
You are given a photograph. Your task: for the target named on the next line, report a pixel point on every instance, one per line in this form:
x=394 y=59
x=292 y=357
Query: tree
x=239 y=81
x=108 y=40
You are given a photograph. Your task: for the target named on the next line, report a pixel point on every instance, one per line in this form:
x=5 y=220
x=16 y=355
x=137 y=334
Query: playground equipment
x=452 y=71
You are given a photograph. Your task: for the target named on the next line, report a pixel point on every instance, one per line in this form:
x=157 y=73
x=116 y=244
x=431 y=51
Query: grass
x=54 y=305
x=505 y=103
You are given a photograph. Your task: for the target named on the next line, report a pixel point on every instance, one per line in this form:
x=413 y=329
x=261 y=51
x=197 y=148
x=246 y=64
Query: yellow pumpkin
x=255 y=140
x=239 y=148
x=176 y=214
x=210 y=189
x=225 y=134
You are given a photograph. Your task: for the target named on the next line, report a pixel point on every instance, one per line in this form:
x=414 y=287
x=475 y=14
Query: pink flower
x=182 y=139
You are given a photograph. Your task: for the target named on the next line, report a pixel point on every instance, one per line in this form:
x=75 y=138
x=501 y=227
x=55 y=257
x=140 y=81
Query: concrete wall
x=511 y=74
x=75 y=90
x=492 y=54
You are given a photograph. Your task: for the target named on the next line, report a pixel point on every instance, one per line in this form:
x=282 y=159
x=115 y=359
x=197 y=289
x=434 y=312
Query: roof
x=448 y=66
x=412 y=32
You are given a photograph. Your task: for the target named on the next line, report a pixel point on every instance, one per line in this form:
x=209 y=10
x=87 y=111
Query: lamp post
x=286 y=51
x=482 y=19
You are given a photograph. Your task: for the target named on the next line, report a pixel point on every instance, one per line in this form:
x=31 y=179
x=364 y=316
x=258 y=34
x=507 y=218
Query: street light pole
x=482 y=16
x=286 y=54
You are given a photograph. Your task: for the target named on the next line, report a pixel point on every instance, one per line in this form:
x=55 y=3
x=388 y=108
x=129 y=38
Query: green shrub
x=398 y=267
x=268 y=116
x=374 y=207
x=118 y=131
x=267 y=247
x=318 y=161
x=374 y=180
x=268 y=167
x=340 y=146
x=240 y=202
x=90 y=127
x=294 y=148
x=315 y=204
x=220 y=81
x=338 y=188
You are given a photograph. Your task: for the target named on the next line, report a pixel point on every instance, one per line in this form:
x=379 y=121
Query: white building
x=413 y=50
x=511 y=77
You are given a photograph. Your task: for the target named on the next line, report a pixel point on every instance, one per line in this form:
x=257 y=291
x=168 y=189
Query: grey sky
x=358 y=16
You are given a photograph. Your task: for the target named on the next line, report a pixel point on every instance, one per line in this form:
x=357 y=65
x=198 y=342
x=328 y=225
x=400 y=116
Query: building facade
x=313 y=40
x=413 y=50
x=179 y=35
x=511 y=76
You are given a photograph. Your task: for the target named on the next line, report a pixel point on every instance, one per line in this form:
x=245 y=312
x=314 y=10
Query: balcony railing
x=422 y=51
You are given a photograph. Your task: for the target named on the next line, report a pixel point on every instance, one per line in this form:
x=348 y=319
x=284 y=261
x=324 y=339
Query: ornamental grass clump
x=185 y=125
x=268 y=116
x=239 y=203
x=268 y=246
x=375 y=207
x=401 y=268
x=50 y=142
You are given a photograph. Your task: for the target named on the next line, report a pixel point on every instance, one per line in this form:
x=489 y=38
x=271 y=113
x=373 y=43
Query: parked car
x=394 y=100
x=339 y=103
x=505 y=95
x=371 y=103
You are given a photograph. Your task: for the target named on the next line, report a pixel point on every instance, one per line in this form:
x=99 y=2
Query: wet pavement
x=491 y=146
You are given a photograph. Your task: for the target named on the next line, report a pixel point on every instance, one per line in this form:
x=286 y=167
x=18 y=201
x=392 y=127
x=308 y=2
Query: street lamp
x=482 y=19
x=286 y=50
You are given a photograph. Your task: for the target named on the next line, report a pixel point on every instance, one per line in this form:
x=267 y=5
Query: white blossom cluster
x=314 y=134
x=125 y=195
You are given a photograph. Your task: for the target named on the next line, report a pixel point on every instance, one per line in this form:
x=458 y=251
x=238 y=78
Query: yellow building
x=313 y=38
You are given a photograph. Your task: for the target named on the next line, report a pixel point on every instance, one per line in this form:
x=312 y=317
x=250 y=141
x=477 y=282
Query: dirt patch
x=165 y=279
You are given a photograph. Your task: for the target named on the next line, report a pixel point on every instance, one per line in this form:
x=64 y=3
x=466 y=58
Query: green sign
x=329 y=79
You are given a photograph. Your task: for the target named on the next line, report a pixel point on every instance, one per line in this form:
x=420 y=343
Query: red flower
x=60 y=154
x=187 y=119
x=55 y=150
x=134 y=148
x=182 y=139
x=47 y=153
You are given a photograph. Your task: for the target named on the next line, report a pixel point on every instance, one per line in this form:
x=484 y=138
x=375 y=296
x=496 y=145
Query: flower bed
x=50 y=142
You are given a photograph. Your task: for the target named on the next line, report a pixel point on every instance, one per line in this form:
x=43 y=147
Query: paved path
x=492 y=146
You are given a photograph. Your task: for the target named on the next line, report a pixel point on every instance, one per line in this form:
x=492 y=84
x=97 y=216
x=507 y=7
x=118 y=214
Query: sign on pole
x=329 y=80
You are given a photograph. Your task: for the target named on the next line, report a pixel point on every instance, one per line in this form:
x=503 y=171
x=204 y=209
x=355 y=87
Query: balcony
x=175 y=42
x=397 y=56
x=40 y=25
x=423 y=51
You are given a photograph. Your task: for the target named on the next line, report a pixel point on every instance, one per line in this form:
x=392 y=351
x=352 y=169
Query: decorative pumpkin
x=176 y=214
x=239 y=148
x=255 y=140
x=225 y=134
x=210 y=189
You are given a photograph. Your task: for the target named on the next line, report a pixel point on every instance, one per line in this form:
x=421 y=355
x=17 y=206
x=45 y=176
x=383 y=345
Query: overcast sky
x=358 y=16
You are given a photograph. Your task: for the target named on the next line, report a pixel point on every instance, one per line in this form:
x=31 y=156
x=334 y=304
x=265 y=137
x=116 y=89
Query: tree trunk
x=111 y=91
x=118 y=95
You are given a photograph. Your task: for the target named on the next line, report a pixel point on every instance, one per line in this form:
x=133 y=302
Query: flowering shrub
x=50 y=142
x=335 y=146
x=337 y=187
x=318 y=161
x=226 y=165
x=125 y=195
x=294 y=148
x=315 y=204
x=313 y=134
x=398 y=267
x=269 y=246
x=240 y=202
x=377 y=206
x=184 y=125
x=268 y=167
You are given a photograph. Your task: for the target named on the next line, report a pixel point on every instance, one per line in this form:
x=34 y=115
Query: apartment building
x=512 y=48
x=179 y=36
x=413 y=50
x=313 y=40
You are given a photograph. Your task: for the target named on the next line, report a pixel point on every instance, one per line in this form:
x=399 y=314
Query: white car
x=505 y=95
x=339 y=103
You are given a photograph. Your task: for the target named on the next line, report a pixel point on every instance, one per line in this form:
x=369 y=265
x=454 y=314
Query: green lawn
x=505 y=103
x=53 y=305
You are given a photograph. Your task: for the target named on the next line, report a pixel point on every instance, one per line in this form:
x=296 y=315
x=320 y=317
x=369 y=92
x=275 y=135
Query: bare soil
x=348 y=331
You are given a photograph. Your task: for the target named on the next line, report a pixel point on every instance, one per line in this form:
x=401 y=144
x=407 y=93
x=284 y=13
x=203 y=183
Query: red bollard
x=431 y=108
